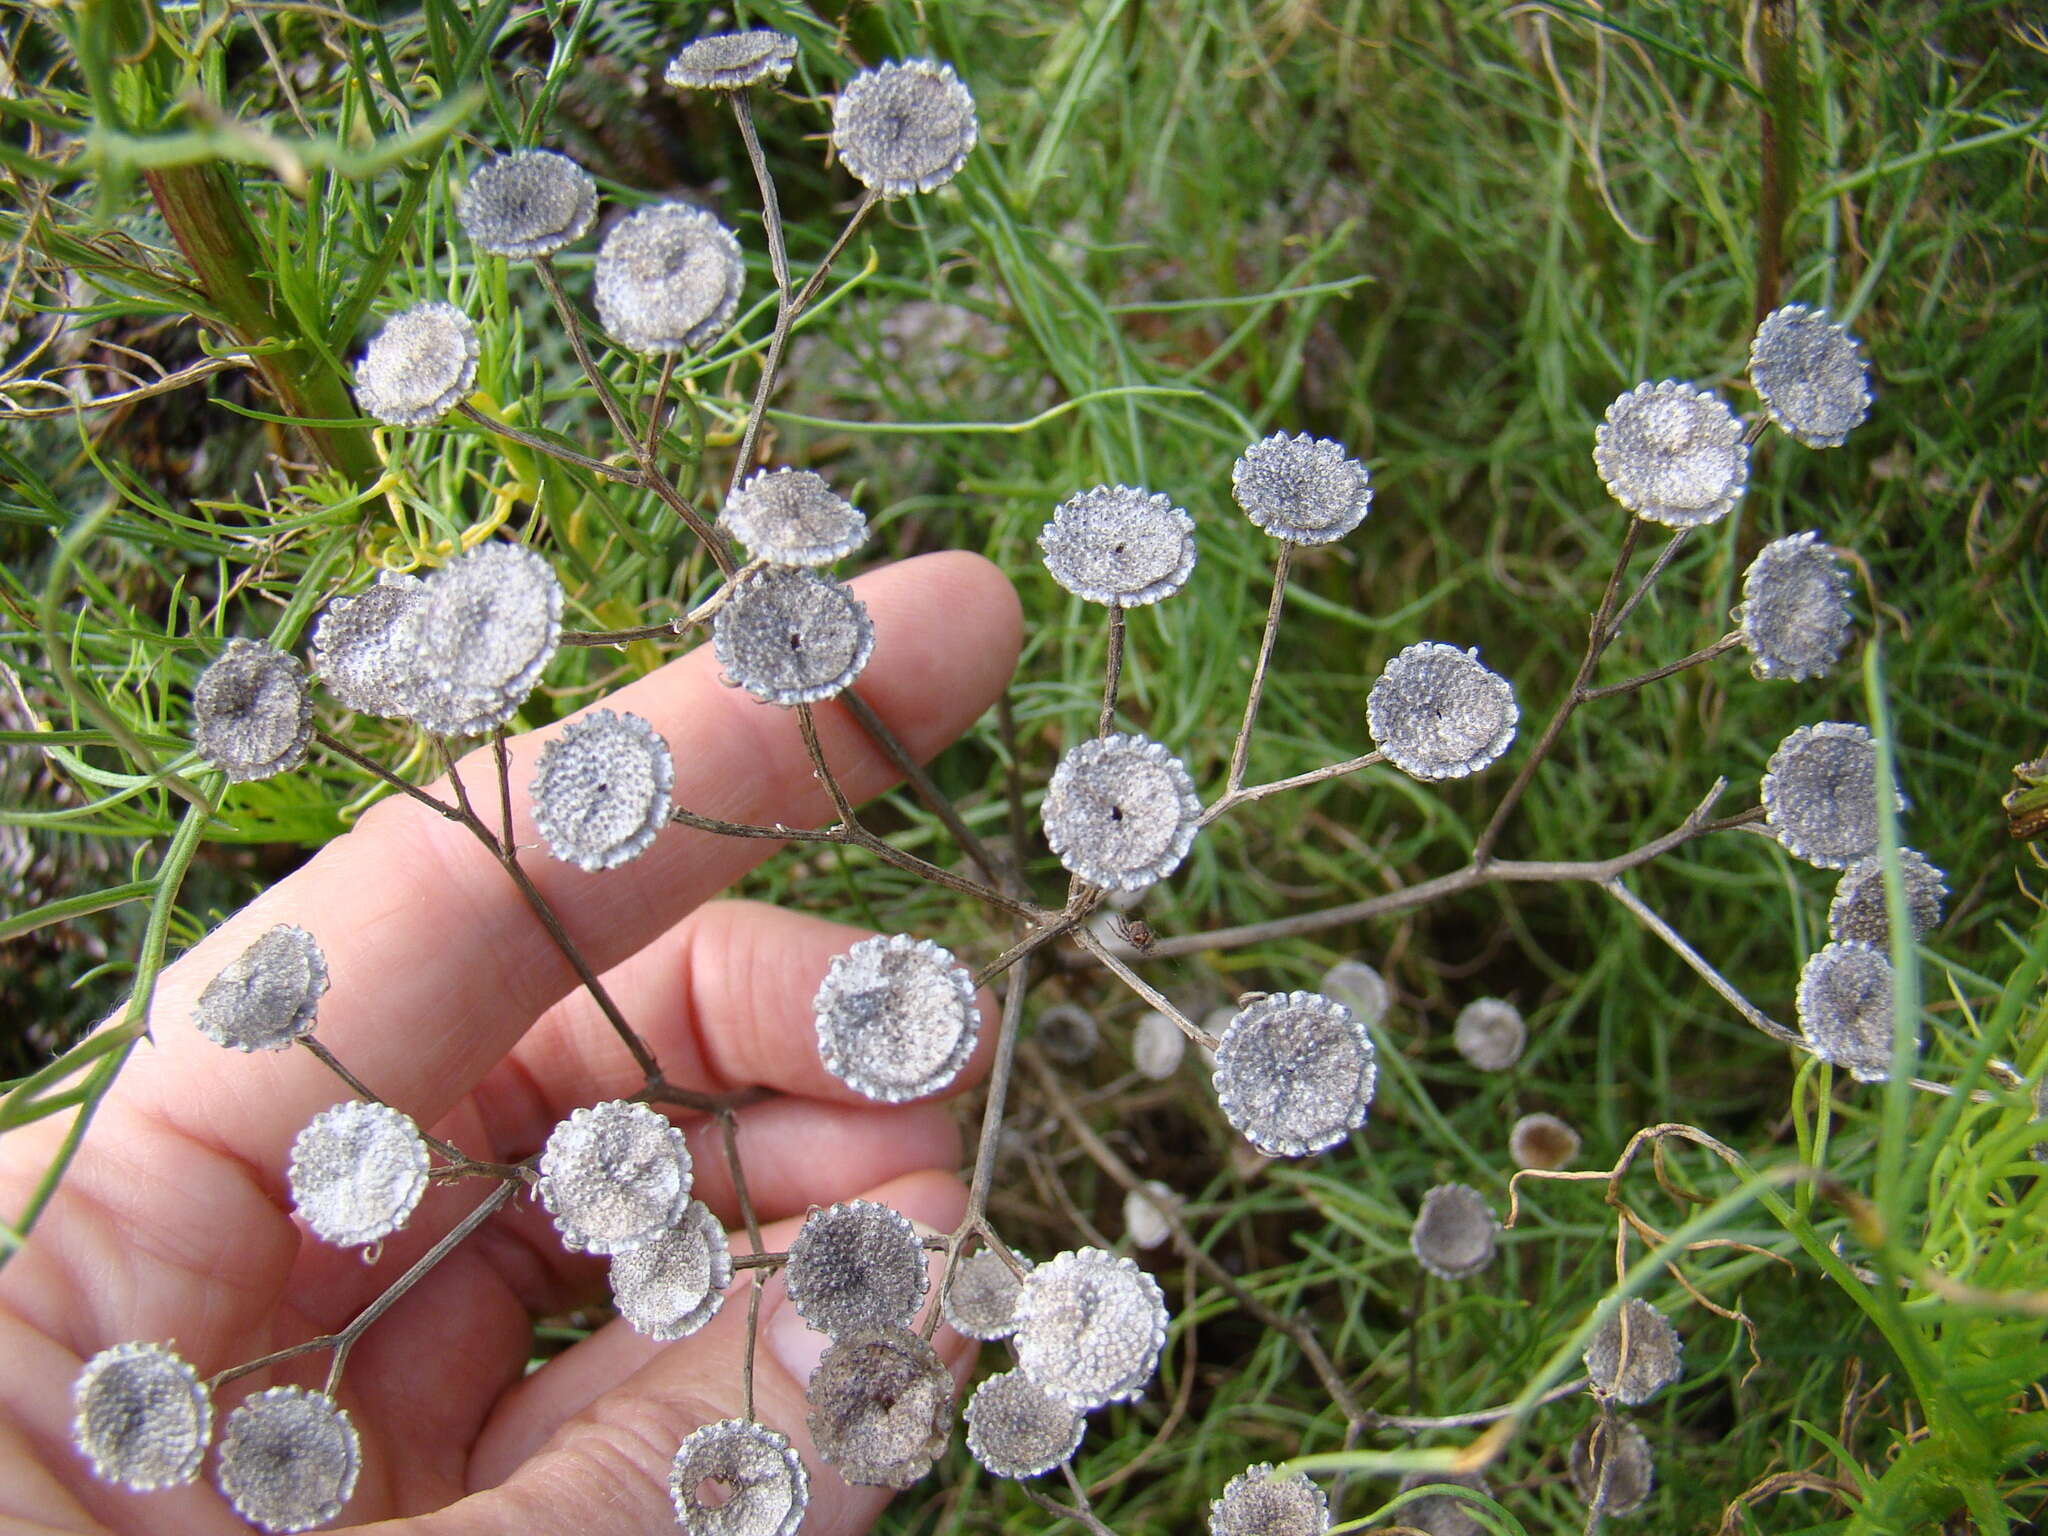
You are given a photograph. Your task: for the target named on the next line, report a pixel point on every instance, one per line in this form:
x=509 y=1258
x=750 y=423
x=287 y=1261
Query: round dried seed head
x=601 y=790
x=674 y=1285
x=856 y=1266
x=1634 y=1369
x=1016 y=1428
x=1443 y=1514
x=981 y=1297
x=881 y=1407
x=1613 y=1450
x=1438 y=714
x=1295 y=1073
x=904 y=128
x=482 y=632
x=1672 y=454
x=1121 y=812
x=267 y=996
x=361 y=650
x=1845 y=1009
x=1359 y=988
x=1811 y=375
x=1542 y=1141
x=615 y=1175
x=1256 y=1503
x=791 y=636
x=1303 y=489
x=1120 y=546
x=526 y=204
x=1794 y=613
x=738 y=1478
x=141 y=1416
x=1068 y=1034
x=252 y=713
x=1453 y=1234
x=668 y=279
x=1858 y=914
x=732 y=61
x=357 y=1171
x=1089 y=1327
x=1820 y=794
x=792 y=517
x=1145 y=1210
x=419 y=367
x=288 y=1459
x=1490 y=1034
x=896 y=1018
x=1157 y=1046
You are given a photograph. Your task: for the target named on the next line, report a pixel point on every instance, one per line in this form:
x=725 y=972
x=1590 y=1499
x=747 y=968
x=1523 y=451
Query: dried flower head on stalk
x=1119 y=545
x=1794 y=613
x=1846 y=1002
x=527 y=204
x=483 y=630
x=1453 y=1236
x=267 y=996
x=670 y=1287
x=1256 y=1503
x=792 y=517
x=288 y=1459
x=1121 y=812
x=1303 y=489
x=1089 y=1327
x=1635 y=1369
x=668 y=279
x=881 y=1404
x=357 y=1171
x=732 y=61
x=601 y=790
x=1542 y=1141
x=1157 y=1046
x=361 y=650
x=896 y=1018
x=1360 y=988
x=980 y=1301
x=1612 y=1450
x=1438 y=714
x=904 y=128
x=1490 y=1033
x=792 y=637
x=141 y=1416
x=419 y=367
x=1858 y=913
x=856 y=1266
x=614 y=1175
x=1068 y=1034
x=1017 y=1429
x=252 y=714
x=1811 y=375
x=738 y=1478
x=1672 y=454
x=1295 y=1073
x=1819 y=794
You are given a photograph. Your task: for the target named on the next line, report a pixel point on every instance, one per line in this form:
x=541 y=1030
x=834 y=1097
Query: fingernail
x=796 y=1346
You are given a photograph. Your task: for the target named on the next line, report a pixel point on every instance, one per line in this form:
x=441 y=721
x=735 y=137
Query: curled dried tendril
x=268 y=996
x=252 y=713
x=1017 y=1429
x=419 y=367
x=1845 y=1004
x=1490 y=1033
x=361 y=650
x=1672 y=454
x=980 y=1300
x=1256 y=1503
x=896 y=1018
x=1360 y=988
x=357 y=1171
x=738 y=1478
x=1613 y=1451
x=1635 y=1368
x=141 y=1416
x=1811 y=375
x=732 y=61
x=791 y=636
x=1157 y=1046
x=1542 y=1141
x=856 y=1266
x=483 y=630
x=1121 y=812
x=881 y=1404
x=1119 y=545
x=1089 y=1327
x=1453 y=1236
x=904 y=128
x=288 y=1459
x=1820 y=794
x=1295 y=1073
x=1858 y=913
x=1303 y=489
x=614 y=1175
x=527 y=204
x=1794 y=613
x=601 y=790
x=1438 y=714
x=668 y=279
x=792 y=517
x=673 y=1285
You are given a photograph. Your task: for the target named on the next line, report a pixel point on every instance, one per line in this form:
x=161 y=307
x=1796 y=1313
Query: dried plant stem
x=572 y=322
x=1000 y=1072
x=377 y=770
x=503 y=756
x=771 y=210
x=1241 y=749
x=1556 y=1394
x=651 y=443
x=927 y=791
x=1648 y=917
x=1720 y=647
x=546 y=445
x=363 y=1091
x=1144 y=989
x=1672 y=547
x=807 y=723
x=1113 y=670
x=1236 y=797
x=729 y=1139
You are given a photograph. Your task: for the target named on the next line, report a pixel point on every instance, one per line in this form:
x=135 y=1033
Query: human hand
x=174 y=1222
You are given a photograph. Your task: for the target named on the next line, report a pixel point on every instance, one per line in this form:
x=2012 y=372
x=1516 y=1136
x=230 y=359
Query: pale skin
x=448 y=1001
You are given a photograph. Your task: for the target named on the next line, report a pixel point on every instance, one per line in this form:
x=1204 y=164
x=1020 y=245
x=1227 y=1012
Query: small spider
x=1134 y=931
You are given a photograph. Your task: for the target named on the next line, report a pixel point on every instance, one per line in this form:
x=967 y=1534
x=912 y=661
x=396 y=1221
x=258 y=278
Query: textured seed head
x=1295 y=1073
x=1443 y=1514
x=252 y=714
x=792 y=637
x=1302 y=489
x=615 y=1175
x=1453 y=1233
x=1794 y=613
x=1811 y=374
x=1858 y=915
x=1256 y=1503
x=1089 y=1327
x=419 y=367
x=981 y=1297
x=672 y=1286
x=361 y=650
x=357 y=1171
x=482 y=632
x=141 y=1416
x=904 y=128
x=792 y=517
x=1016 y=1428
x=527 y=204
x=1067 y=1034
x=1145 y=1211
x=266 y=997
x=1490 y=1034
x=288 y=1459
x=668 y=279
x=1635 y=1354
x=1360 y=988
x=1438 y=714
x=738 y=1478
x=856 y=1266
x=881 y=1407
x=1613 y=1450
x=1672 y=454
x=896 y=1018
x=1121 y=812
x=732 y=61
x=1820 y=794
x=1157 y=1046
x=1542 y=1141
x=601 y=790
x=1119 y=546
x=1845 y=1009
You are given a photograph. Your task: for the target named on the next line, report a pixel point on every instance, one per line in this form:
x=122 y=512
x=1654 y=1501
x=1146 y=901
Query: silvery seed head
x=1635 y=1354
x=1017 y=1429
x=792 y=517
x=672 y=1286
x=1256 y=1503
x=1157 y=1046
x=480 y=636
x=360 y=650
x=288 y=1459
x=881 y=1406
x=896 y=1018
x=1295 y=1073
x=1121 y=812
x=732 y=61
x=252 y=713
x=1845 y=1005
x=1360 y=988
x=1794 y=613
x=141 y=1416
x=614 y=1175
x=904 y=128
x=856 y=1265
x=1811 y=375
x=1120 y=546
x=1542 y=1141
x=419 y=367
x=980 y=1300
x=668 y=279
x=1303 y=489
x=357 y=1171
x=738 y=1478
x=1820 y=794
x=1089 y=1328
x=1438 y=714
x=791 y=636
x=1613 y=1451
x=527 y=204
x=1490 y=1033
x=1672 y=454
x=1454 y=1231
x=601 y=790
x=1067 y=1034
x=1145 y=1212
x=267 y=996
x=1858 y=913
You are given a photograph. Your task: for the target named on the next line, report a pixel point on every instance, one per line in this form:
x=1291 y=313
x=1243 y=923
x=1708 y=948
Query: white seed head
x=732 y=61
x=1089 y=1327
x=904 y=128
x=1359 y=988
x=1811 y=375
x=856 y=1266
x=1672 y=454
x=1437 y=713
x=981 y=1297
x=614 y=1175
x=1303 y=489
x=672 y=1286
x=1858 y=913
x=1635 y=1354
x=1067 y=1034
x=288 y=1459
x=1794 y=613
x=668 y=279
x=1120 y=546
x=1295 y=1073
x=1454 y=1232
x=1612 y=1449
x=1017 y=1429
x=252 y=713
x=526 y=204
x=1256 y=1503
x=267 y=996
x=1443 y=1514
x=1820 y=794
x=601 y=790
x=361 y=648
x=1542 y=1141
x=792 y=517
x=141 y=1416
x=357 y=1171
x=1845 y=1006
x=482 y=632
x=757 y=1483
x=1145 y=1211
x=419 y=367
x=792 y=636
x=896 y=1018
x=1490 y=1033
x=881 y=1406
x=1157 y=1046
x=1121 y=812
